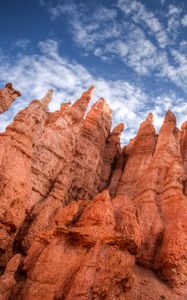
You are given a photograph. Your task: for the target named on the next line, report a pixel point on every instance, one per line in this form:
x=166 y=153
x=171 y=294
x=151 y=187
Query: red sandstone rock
x=53 y=154
x=138 y=186
x=111 y=154
x=91 y=145
x=183 y=142
x=7 y=96
x=51 y=166
x=86 y=215
x=96 y=263
x=8 y=279
x=172 y=257
x=15 y=169
x=140 y=152
x=116 y=174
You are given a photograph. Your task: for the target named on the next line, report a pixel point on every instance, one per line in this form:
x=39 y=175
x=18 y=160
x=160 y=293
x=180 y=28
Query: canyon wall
x=82 y=217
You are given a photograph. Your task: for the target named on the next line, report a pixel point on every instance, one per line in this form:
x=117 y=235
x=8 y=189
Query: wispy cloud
x=129 y=31
x=34 y=74
x=174 y=10
x=173 y=20
x=136 y=51
x=141 y=15
x=147 y=46
x=22 y=43
x=177 y=72
x=184 y=20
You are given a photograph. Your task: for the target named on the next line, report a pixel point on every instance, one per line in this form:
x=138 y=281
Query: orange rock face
x=82 y=218
x=7 y=96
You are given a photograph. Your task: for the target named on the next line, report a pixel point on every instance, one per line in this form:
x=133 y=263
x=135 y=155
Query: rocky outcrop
x=8 y=279
x=57 y=146
x=111 y=154
x=172 y=256
x=82 y=218
x=7 y=96
x=183 y=144
x=139 y=152
x=137 y=185
x=91 y=145
x=51 y=168
x=17 y=144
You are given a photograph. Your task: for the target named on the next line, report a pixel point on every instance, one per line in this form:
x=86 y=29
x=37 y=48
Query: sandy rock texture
x=82 y=217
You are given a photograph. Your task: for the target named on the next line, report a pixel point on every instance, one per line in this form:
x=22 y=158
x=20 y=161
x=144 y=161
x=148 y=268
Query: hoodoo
x=83 y=218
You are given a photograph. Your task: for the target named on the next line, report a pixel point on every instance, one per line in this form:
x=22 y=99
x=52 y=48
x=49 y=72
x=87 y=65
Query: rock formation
x=83 y=218
x=7 y=96
x=17 y=148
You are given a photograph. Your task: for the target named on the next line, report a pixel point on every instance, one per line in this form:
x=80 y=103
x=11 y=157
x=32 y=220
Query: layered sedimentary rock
x=7 y=95
x=82 y=218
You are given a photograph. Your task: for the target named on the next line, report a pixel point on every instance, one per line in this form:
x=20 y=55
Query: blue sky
x=134 y=52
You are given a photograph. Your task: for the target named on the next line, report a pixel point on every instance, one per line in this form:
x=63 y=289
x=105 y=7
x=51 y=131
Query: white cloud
x=184 y=20
x=172 y=102
x=33 y=75
x=118 y=47
x=137 y=52
x=174 y=10
x=173 y=25
x=88 y=26
x=173 y=21
x=22 y=43
x=141 y=15
x=177 y=73
x=128 y=31
x=49 y=47
x=104 y=14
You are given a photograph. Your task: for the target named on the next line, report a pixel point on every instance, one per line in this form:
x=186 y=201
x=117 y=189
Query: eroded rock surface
x=7 y=96
x=82 y=218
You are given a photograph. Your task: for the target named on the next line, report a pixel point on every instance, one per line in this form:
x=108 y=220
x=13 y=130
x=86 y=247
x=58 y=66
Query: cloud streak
x=130 y=32
x=34 y=74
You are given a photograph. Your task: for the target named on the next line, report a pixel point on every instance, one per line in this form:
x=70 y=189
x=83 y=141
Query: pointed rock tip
x=184 y=125
x=47 y=98
x=102 y=105
x=146 y=126
x=91 y=89
x=9 y=86
x=118 y=129
x=101 y=99
x=150 y=117
x=170 y=116
x=85 y=98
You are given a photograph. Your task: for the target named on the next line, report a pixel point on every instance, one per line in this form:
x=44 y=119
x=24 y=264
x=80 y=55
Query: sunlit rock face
x=83 y=218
